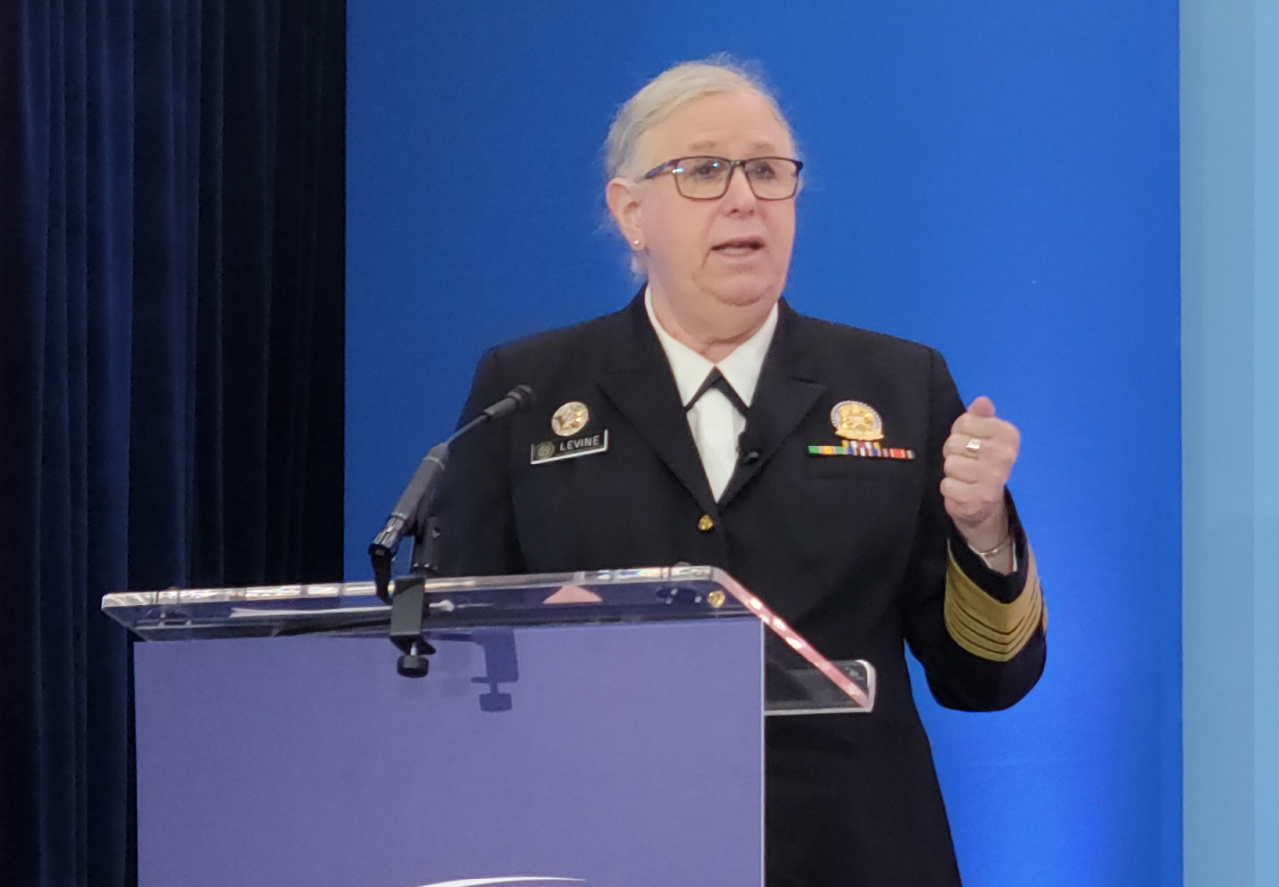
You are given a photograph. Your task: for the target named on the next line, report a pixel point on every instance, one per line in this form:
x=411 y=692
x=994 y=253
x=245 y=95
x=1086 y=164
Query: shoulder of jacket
x=570 y=342
x=841 y=336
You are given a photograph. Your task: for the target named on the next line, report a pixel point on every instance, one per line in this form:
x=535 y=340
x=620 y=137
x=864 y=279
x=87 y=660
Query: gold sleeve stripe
x=986 y=627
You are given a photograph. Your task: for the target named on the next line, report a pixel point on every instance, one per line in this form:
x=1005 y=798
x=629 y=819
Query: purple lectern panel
x=606 y=756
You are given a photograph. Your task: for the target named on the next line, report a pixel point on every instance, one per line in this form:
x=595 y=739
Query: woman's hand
x=979 y=456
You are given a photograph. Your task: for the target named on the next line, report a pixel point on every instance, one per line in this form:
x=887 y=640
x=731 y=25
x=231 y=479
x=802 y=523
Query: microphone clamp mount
x=411 y=516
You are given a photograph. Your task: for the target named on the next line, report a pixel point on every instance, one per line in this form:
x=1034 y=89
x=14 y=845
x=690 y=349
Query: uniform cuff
x=991 y=615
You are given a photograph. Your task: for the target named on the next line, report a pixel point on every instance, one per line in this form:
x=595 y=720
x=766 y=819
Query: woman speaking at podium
x=833 y=470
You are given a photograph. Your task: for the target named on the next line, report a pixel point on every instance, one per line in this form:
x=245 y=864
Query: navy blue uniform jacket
x=851 y=799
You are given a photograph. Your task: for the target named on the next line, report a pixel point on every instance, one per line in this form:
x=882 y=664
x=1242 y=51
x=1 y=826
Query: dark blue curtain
x=171 y=272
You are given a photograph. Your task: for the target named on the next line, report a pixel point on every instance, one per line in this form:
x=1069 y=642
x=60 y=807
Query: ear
x=623 y=198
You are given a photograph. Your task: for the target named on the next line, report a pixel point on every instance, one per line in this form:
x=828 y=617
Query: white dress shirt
x=716 y=424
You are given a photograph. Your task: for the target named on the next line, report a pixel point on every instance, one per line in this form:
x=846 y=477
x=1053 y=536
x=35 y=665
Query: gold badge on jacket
x=854 y=420
x=570 y=418
x=862 y=429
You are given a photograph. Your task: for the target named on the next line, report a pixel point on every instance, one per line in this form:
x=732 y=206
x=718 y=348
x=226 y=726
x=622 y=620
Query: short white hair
x=666 y=93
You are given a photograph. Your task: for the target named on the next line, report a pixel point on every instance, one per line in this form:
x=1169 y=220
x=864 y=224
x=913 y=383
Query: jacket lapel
x=786 y=393
x=638 y=381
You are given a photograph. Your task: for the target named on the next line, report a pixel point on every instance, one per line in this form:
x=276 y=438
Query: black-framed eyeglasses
x=707 y=178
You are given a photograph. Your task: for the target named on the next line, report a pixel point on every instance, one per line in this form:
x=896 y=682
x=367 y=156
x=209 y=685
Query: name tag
x=557 y=450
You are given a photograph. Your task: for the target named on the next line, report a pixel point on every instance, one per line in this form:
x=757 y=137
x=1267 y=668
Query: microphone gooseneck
x=410 y=511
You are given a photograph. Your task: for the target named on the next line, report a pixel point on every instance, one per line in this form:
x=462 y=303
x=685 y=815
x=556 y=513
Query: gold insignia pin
x=570 y=418
x=543 y=451
x=854 y=420
x=716 y=599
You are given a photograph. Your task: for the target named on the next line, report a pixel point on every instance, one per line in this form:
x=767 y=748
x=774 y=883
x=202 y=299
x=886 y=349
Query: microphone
x=748 y=452
x=409 y=514
x=517 y=400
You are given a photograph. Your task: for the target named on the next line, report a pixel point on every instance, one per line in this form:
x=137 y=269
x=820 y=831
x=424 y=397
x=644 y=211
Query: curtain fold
x=171 y=272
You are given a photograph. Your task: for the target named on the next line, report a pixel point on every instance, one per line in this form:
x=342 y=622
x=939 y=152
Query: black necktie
x=715 y=379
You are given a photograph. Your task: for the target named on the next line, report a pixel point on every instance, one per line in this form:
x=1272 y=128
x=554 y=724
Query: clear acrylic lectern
x=595 y=728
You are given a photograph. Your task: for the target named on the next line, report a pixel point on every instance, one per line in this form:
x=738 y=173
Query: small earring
x=636 y=243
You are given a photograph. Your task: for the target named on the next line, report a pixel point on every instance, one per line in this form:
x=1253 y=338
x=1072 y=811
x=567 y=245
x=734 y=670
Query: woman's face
x=734 y=250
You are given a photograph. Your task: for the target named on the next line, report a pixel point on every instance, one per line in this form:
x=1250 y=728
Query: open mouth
x=740 y=246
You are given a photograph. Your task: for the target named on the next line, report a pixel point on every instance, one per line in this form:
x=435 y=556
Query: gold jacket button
x=705 y=524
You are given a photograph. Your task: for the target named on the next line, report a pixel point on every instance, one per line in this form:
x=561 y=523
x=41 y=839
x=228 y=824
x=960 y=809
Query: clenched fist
x=979 y=457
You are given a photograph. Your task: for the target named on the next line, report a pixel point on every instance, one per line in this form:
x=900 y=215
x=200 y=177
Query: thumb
x=983 y=407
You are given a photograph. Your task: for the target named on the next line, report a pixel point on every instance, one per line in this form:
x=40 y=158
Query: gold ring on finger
x=971 y=448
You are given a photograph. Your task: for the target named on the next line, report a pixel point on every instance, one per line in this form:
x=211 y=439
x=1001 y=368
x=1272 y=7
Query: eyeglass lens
x=703 y=178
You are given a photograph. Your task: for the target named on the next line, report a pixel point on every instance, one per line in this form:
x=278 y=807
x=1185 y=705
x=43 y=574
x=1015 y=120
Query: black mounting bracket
x=408 y=615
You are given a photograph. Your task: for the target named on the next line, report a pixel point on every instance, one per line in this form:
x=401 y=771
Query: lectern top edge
x=631 y=576
x=800 y=679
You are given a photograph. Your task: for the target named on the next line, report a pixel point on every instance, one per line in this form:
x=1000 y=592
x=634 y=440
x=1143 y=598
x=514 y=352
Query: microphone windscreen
x=517 y=400
x=523 y=396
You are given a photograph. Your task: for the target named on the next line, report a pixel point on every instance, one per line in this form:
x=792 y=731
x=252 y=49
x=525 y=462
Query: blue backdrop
x=998 y=179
